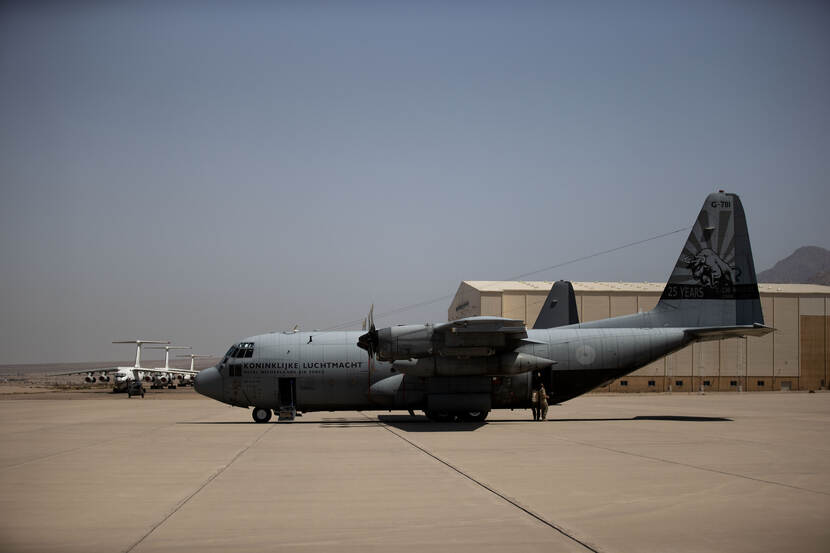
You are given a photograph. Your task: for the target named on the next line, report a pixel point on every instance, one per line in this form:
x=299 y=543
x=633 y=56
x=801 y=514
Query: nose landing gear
x=261 y=414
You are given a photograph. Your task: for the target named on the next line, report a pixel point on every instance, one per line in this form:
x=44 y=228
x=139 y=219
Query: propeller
x=369 y=341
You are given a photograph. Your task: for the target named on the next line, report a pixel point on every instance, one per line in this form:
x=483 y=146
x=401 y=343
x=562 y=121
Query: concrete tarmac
x=629 y=473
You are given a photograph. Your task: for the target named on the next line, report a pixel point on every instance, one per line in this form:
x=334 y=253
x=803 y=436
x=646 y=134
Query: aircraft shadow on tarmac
x=402 y=422
x=423 y=424
x=418 y=423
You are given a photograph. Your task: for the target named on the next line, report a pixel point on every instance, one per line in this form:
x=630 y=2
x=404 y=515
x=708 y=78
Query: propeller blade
x=369 y=341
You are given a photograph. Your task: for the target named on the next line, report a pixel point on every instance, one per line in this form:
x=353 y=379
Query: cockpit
x=239 y=351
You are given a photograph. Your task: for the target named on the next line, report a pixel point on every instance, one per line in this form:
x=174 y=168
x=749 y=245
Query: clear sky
x=202 y=172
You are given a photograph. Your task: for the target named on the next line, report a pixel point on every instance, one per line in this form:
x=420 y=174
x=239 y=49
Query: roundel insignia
x=585 y=354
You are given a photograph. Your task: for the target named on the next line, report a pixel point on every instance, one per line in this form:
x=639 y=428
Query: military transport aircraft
x=462 y=369
x=127 y=379
x=187 y=379
x=160 y=380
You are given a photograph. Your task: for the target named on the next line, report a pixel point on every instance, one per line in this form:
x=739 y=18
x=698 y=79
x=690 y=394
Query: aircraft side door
x=231 y=372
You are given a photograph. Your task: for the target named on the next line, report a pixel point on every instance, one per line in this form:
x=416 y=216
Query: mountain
x=807 y=265
x=820 y=278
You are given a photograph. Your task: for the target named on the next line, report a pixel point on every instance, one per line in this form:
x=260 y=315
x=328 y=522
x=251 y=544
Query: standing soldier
x=543 y=403
x=534 y=403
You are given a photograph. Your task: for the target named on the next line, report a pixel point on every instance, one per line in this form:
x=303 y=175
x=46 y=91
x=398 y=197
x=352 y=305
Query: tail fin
x=559 y=308
x=713 y=283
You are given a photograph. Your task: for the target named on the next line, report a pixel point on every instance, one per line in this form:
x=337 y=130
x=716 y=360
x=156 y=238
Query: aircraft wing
x=461 y=339
x=108 y=370
x=479 y=336
x=180 y=371
x=105 y=370
x=475 y=346
x=157 y=370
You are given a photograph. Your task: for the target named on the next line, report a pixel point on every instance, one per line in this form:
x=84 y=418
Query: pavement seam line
x=204 y=484
x=687 y=465
x=567 y=533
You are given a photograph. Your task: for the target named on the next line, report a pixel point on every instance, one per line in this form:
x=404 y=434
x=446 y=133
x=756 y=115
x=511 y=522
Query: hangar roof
x=544 y=286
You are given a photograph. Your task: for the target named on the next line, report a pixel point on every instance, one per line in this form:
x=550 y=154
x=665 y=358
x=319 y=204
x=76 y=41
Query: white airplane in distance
x=124 y=379
x=189 y=377
x=160 y=380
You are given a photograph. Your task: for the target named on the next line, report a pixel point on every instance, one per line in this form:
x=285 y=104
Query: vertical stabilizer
x=713 y=282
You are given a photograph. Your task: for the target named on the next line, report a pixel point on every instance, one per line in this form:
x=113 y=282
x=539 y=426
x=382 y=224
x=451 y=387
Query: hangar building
x=794 y=357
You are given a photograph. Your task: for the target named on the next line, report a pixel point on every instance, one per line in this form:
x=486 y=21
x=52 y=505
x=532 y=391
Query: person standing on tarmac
x=543 y=403
x=534 y=403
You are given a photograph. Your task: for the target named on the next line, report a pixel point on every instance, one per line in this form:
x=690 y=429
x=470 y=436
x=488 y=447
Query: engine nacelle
x=162 y=379
x=104 y=378
x=147 y=378
x=90 y=378
x=496 y=365
x=405 y=342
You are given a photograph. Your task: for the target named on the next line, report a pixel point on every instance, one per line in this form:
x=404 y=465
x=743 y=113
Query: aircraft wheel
x=473 y=416
x=261 y=414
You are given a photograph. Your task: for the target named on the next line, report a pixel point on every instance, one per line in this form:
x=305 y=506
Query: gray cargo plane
x=463 y=369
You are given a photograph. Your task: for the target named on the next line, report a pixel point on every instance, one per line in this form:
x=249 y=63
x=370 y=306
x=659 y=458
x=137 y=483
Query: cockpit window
x=244 y=349
x=239 y=351
x=229 y=354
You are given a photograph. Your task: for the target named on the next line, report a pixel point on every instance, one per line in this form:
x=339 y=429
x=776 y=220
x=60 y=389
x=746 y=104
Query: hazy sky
x=202 y=172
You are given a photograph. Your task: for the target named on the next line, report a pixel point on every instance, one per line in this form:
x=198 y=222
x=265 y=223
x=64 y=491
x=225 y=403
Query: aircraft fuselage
x=326 y=371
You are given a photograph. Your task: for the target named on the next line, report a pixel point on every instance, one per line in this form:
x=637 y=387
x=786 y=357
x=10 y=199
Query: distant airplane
x=125 y=379
x=160 y=380
x=187 y=379
x=462 y=369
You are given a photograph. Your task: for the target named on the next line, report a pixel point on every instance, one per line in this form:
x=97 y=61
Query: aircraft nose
x=209 y=383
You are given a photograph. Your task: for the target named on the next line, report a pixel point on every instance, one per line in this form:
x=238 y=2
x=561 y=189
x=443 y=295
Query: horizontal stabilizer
x=716 y=332
x=141 y=342
x=164 y=347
